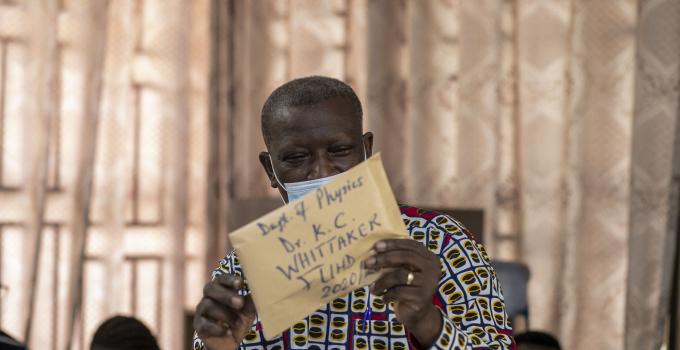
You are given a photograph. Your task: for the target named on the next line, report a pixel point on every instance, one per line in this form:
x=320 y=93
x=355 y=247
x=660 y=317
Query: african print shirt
x=468 y=296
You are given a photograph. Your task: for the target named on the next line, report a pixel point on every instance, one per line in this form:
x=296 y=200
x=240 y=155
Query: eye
x=341 y=151
x=295 y=158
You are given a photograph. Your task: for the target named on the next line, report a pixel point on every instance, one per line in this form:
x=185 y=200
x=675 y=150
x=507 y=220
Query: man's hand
x=412 y=295
x=223 y=317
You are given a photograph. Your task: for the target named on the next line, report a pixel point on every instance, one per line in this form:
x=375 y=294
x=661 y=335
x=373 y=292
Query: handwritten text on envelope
x=303 y=255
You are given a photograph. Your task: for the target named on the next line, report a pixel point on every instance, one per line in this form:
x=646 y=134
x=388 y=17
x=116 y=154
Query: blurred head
x=312 y=128
x=536 y=341
x=9 y=343
x=120 y=332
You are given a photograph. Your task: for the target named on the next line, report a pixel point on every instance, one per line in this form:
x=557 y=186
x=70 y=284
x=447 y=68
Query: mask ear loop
x=277 y=179
x=363 y=146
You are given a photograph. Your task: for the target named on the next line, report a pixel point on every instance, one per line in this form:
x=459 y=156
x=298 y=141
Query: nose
x=322 y=167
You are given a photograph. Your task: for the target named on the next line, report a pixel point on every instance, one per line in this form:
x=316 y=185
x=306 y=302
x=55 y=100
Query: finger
x=207 y=328
x=229 y=280
x=216 y=312
x=405 y=295
x=395 y=278
x=249 y=305
x=223 y=295
x=396 y=258
x=401 y=244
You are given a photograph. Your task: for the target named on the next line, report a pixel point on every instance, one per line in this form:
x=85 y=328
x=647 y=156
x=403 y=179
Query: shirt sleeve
x=469 y=295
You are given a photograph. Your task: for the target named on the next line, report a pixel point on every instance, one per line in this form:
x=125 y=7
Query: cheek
x=345 y=163
x=349 y=162
x=294 y=174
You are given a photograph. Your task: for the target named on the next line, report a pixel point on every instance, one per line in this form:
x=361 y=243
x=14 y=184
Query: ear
x=267 y=165
x=368 y=143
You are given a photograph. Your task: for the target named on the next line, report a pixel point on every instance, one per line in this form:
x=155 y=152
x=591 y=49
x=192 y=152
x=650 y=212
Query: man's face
x=311 y=142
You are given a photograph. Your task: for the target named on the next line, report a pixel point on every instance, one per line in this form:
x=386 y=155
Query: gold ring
x=409 y=278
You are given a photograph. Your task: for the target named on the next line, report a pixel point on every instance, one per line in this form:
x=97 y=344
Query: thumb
x=249 y=307
x=247 y=318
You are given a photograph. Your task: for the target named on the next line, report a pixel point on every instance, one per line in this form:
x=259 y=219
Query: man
x=436 y=290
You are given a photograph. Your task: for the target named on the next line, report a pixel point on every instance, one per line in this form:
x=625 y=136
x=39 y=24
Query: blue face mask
x=296 y=190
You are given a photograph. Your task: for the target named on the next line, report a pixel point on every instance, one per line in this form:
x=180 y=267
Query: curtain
x=129 y=130
x=556 y=118
x=655 y=154
x=102 y=184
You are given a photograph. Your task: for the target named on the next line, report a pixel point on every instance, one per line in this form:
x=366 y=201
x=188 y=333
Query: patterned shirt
x=469 y=298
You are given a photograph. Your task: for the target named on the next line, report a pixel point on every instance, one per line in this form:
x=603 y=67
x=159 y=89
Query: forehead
x=329 y=117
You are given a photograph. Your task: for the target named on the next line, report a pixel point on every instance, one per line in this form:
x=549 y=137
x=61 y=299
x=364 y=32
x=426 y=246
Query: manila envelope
x=303 y=255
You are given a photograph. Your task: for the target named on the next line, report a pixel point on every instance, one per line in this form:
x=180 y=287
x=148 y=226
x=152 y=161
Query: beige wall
x=146 y=199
